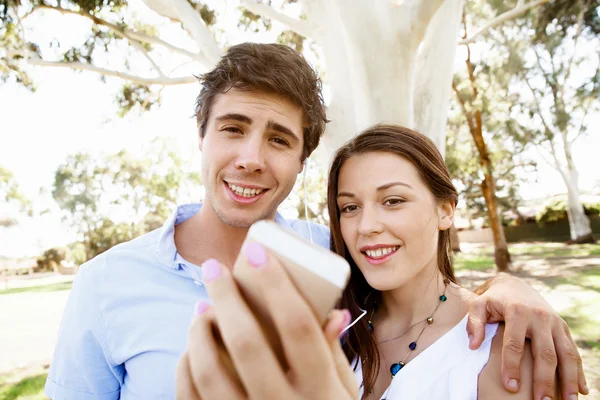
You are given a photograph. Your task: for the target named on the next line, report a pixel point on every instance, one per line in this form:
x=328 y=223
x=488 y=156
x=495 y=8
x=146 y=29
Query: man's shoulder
x=319 y=233
x=138 y=251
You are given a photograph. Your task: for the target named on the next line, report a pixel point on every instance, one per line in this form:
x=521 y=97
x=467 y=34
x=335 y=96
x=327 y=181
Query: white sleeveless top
x=446 y=370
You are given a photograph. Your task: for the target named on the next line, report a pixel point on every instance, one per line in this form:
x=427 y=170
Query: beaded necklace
x=397 y=366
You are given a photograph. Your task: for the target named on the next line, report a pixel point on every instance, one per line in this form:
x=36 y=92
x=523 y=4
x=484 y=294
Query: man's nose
x=251 y=157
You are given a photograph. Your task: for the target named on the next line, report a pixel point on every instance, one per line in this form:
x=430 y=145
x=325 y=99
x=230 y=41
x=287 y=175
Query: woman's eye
x=393 y=202
x=349 y=208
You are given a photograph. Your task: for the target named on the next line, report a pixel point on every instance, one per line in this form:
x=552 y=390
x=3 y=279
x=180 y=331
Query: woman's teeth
x=381 y=252
x=244 y=192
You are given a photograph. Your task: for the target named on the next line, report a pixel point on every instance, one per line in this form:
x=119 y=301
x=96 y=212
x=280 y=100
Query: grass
x=23 y=386
x=482 y=258
x=41 y=288
x=473 y=262
x=556 y=250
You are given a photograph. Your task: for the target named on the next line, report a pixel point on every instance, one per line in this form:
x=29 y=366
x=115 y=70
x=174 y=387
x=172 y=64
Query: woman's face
x=389 y=219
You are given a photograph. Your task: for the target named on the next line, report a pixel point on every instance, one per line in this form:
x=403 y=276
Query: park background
x=98 y=143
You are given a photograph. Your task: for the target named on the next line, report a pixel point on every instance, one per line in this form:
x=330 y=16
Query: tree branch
x=126 y=33
x=193 y=23
x=34 y=59
x=264 y=10
x=507 y=16
x=575 y=41
x=537 y=105
x=142 y=50
x=425 y=10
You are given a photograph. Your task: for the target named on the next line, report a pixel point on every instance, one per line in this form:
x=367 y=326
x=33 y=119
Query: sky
x=73 y=111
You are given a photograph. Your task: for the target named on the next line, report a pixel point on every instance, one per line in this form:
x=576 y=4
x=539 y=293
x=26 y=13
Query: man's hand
x=528 y=316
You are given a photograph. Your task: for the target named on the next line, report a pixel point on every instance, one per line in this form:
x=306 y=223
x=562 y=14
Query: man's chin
x=235 y=220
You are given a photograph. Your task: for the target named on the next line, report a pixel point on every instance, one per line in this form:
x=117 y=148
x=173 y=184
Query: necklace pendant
x=394 y=368
x=430 y=320
x=443 y=298
x=370 y=326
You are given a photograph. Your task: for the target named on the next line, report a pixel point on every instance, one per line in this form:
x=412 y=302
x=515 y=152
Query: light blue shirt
x=126 y=322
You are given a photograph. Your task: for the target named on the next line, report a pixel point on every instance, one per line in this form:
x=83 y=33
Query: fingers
x=184 y=385
x=570 y=366
x=306 y=350
x=211 y=375
x=478 y=315
x=338 y=322
x=544 y=355
x=252 y=356
x=513 y=345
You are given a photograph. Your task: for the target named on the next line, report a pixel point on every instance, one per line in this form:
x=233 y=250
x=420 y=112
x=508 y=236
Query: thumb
x=478 y=316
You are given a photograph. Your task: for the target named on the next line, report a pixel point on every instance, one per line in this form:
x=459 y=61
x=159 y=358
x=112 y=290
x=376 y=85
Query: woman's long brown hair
x=422 y=153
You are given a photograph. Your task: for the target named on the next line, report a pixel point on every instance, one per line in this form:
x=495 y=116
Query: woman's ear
x=445 y=215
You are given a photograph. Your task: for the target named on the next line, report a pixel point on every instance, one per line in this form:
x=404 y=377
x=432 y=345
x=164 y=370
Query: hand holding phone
x=318 y=274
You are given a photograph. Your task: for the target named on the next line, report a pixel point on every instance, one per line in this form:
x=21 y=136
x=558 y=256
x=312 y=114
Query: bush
x=51 y=259
x=556 y=210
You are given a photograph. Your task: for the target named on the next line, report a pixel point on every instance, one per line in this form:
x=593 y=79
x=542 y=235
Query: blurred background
x=98 y=143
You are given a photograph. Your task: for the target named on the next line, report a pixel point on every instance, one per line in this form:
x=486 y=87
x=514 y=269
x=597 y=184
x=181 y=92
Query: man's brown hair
x=270 y=68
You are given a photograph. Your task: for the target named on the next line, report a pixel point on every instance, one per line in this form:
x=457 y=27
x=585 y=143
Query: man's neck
x=205 y=236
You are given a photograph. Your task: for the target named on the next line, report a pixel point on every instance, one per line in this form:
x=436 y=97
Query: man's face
x=250 y=155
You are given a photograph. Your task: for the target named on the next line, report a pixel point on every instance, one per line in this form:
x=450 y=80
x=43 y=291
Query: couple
x=260 y=115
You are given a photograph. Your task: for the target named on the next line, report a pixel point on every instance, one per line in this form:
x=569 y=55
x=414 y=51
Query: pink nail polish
x=211 y=270
x=346 y=320
x=200 y=307
x=255 y=253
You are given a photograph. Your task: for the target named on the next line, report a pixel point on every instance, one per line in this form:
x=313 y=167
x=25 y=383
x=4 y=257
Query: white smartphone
x=319 y=275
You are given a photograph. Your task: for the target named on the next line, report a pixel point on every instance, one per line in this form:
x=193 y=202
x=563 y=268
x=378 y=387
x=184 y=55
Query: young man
x=260 y=113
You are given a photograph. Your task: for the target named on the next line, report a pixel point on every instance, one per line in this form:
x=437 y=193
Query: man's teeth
x=381 y=252
x=244 y=192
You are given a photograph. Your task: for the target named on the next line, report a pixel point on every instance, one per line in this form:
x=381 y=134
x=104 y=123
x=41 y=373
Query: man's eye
x=281 y=141
x=232 y=129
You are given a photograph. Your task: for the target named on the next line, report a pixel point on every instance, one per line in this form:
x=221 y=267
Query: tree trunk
x=365 y=91
x=501 y=254
x=579 y=223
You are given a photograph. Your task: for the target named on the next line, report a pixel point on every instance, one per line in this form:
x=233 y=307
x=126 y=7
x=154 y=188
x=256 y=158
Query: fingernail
x=573 y=397
x=256 y=254
x=513 y=383
x=347 y=319
x=546 y=398
x=211 y=270
x=470 y=338
x=200 y=307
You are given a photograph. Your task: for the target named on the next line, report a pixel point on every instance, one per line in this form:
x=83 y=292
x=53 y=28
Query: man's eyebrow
x=282 y=129
x=234 y=117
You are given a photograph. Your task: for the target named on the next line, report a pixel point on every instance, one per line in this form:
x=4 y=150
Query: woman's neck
x=411 y=303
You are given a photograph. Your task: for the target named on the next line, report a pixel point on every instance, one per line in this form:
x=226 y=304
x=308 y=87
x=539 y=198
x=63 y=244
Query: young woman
x=391 y=204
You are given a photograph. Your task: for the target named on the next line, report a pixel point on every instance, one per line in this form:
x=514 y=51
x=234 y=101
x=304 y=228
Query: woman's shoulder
x=490 y=380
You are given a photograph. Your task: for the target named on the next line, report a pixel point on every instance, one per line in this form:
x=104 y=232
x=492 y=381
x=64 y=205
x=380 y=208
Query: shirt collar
x=166 y=252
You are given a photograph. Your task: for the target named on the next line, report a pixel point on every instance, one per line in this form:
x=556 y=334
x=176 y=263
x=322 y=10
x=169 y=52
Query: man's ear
x=446 y=215
x=302 y=165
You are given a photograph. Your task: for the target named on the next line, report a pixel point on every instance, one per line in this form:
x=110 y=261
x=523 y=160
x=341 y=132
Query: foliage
x=12 y=200
x=143 y=189
x=556 y=210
